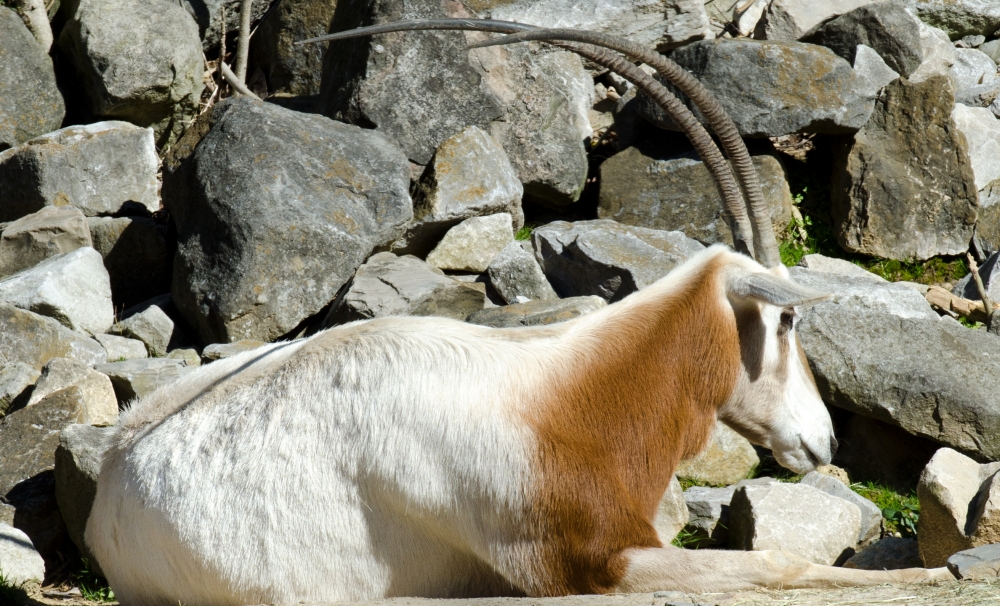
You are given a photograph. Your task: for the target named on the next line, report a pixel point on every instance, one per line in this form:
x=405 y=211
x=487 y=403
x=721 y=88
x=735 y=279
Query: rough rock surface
x=986 y=514
x=18 y=559
x=292 y=70
x=793 y=19
x=886 y=27
x=138 y=255
x=473 y=244
x=387 y=285
x=73 y=288
x=15 y=380
x=727 y=459
x=890 y=553
x=31 y=239
x=971 y=69
x=939 y=54
x=606 y=258
x=157 y=79
x=153 y=327
x=645 y=188
x=30 y=103
x=95 y=167
x=959 y=17
x=871 y=515
x=977 y=563
x=982 y=136
x=515 y=274
x=34 y=340
x=872 y=71
x=120 y=349
x=98 y=405
x=469 y=176
x=275 y=210
x=218 y=351
x=830 y=265
x=785 y=516
x=208 y=15
x=905 y=188
x=77 y=463
x=137 y=378
x=862 y=293
x=537 y=313
x=708 y=510
x=672 y=513
x=772 y=89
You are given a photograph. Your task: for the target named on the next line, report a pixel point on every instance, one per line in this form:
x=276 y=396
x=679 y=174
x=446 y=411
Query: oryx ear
x=774 y=290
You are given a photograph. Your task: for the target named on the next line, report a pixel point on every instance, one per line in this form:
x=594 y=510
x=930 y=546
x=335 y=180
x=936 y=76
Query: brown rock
x=947 y=486
x=49 y=232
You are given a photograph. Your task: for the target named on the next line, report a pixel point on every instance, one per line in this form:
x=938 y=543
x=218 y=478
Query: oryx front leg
x=671 y=568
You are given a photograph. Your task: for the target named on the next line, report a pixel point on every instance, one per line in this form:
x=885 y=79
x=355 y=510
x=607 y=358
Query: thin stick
x=34 y=15
x=243 y=43
x=236 y=83
x=974 y=268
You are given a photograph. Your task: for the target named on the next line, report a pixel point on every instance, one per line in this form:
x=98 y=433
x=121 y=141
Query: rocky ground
x=152 y=220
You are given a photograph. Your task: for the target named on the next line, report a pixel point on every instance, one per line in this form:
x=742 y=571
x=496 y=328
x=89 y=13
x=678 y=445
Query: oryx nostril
x=833 y=446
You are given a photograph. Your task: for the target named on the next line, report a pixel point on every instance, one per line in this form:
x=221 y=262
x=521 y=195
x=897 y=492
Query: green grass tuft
x=686 y=539
x=92 y=586
x=11 y=593
x=900 y=511
x=524 y=233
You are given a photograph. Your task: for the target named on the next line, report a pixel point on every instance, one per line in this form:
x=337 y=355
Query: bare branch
x=35 y=16
x=243 y=43
x=236 y=83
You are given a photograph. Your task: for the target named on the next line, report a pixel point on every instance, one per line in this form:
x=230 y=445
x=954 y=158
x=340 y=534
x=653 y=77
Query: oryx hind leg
x=706 y=571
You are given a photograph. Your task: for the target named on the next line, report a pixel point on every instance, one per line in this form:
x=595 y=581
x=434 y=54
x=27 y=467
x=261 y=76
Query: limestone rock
x=872 y=70
x=72 y=288
x=830 y=265
x=886 y=27
x=861 y=292
x=972 y=68
x=871 y=515
x=218 y=351
x=793 y=19
x=18 y=559
x=672 y=513
x=473 y=244
x=606 y=258
x=786 y=517
x=947 y=486
x=159 y=66
x=137 y=254
x=515 y=273
x=387 y=285
x=289 y=69
x=727 y=459
x=186 y=356
x=537 y=313
x=959 y=17
x=986 y=514
x=939 y=54
x=977 y=563
x=208 y=15
x=96 y=167
x=258 y=255
x=905 y=189
x=30 y=104
x=120 y=349
x=15 y=380
x=98 y=405
x=889 y=553
x=649 y=189
x=34 y=340
x=77 y=463
x=708 y=510
x=469 y=176
x=32 y=239
x=152 y=326
x=992 y=49
x=137 y=378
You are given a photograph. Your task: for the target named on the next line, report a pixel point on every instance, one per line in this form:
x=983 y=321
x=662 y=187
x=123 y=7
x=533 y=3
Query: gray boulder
x=387 y=285
x=137 y=254
x=708 y=510
x=218 y=351
x=890 y=553
x=96 y=167
x=830 y=265
x=292 y=70
x=30 y=103
x=772 y=89
x=972 y=69
x=208 y=15
x=948 y=486
x=137 y=378
x=153 y=327
x=872 y=70
x=515 y=274
x=73 y=288
x=905 y=188
x=469 y=176
x=258 y=255
x=473 y=244
x=34 y=340
x=795 y=518
x=959 y=17
x=861 y=293
x=793 y=19
x=939 y=54
x=98 y=405
x=977 y=563
x=77 y=463
x=19 y=561
x=871 y=515
x=15 y=380
x=992 y=49
x=650 y=189
x=51 y=231
x=536 y=313
x=159 y=66
x=886 y=27
x=727 y=459
x=120 y=349
x=606 y=258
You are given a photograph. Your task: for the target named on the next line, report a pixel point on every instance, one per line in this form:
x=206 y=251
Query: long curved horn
x=704 y=145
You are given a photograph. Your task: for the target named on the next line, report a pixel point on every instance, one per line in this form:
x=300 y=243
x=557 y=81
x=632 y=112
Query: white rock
x=865 y=294
x=947 y=486
x=14 y=379
x=51 y=231
x=73 y=288
x=122 y=348
x=982 y=133
x=18 y=559
x=97 y=396
x=871 y=515
x=473 y=244
x=746 y=20
x=872 y=69
x=793 y=19
x=939 y=54
x=517 y=277
x=972 y=68
x=152 y=326
x=672 y=513
x=830 y=265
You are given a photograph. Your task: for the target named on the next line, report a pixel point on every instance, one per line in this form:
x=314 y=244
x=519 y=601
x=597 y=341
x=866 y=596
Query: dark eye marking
x=787 y=320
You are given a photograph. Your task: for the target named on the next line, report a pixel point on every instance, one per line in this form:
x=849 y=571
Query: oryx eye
x=787 y=321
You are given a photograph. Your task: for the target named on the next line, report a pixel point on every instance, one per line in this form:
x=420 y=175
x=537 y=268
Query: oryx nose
x=833 y=446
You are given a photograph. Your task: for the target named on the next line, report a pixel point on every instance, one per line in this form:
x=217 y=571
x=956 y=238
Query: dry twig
x=243 y=43
x=37 y=19
x=235 y=82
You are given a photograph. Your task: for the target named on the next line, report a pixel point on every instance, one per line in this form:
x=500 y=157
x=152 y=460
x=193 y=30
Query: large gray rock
x=18 y=559
x=650 y=189
x=122 y=348
x=871 y=515
x=537 y=313
x=95 y=167
x=708 y=510
x=292 y=70
x=387 y=285
x=137 y=254
x=977 y=563
x=939 y=54
x=947 y=486
x=972 y=69
x=98 y=405
x=30 y=103
x=15 y=380
x=986 y=511
x=137 y=378
x=153 y=327
x=31 y=239
x=258 y=254
x=516 y=275
x=73 y=288
x=472 y=245
x=772 y=89
x=959 y=17
x=890 y=553
x=886 y=27
x=831 y=265
x=727 y=459
x=422 y=88
x=872 y=70
x=982 y=136
x=606 y=258
x=905 y=188
x=154 y=47
x=793 y=19
x=34 y=340
x=861 y=293
x=77 y=463
x=469 y=176
x=795 y=518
